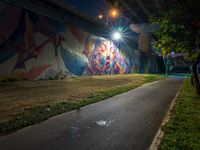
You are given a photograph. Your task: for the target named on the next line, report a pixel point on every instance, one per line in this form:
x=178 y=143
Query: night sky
x=90 y=7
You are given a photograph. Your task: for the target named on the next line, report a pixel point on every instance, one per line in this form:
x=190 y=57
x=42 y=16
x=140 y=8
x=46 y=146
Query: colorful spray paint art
x=35 y=47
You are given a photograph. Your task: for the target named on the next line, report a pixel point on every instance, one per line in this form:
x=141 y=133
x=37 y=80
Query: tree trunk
x=196 y=77
x=192 y=80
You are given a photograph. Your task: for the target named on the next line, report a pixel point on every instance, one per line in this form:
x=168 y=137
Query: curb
x=160 y=133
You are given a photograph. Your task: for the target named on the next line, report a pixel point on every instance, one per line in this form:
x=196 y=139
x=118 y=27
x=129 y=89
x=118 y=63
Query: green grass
x=182 y=132
x=39 y=113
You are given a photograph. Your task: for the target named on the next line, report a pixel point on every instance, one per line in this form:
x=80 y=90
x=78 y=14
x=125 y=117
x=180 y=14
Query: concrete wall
x=36 y=47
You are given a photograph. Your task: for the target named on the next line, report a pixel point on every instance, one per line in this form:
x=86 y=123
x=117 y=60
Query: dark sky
x=91 y=7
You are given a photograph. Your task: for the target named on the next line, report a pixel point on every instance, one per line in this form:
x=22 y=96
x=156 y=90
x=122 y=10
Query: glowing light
x=114 y=13
x=116 y=36
x=100 y=16
x=119 y=33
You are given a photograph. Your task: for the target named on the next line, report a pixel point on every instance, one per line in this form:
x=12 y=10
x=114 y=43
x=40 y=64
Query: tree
x=179 y=31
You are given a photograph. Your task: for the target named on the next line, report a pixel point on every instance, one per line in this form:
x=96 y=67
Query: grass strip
x=182 y=132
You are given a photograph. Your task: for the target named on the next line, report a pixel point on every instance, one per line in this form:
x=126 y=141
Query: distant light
x=116 y=36
x=100 y=16
x=114 y=13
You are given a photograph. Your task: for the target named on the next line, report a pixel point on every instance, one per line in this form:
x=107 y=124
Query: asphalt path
x=124 y=122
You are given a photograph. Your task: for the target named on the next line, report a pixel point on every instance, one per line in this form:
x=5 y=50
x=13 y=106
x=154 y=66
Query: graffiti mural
x=36 y=47
x=104 y=58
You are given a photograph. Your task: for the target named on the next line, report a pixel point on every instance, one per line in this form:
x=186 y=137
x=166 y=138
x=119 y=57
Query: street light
x=116 y=36
x=100 y=16
x=114 y=13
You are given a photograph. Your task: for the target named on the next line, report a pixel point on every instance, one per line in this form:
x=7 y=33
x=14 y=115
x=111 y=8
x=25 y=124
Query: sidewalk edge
x=160 y=133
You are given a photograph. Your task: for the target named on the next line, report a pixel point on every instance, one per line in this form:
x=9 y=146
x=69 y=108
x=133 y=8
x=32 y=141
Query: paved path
x=124 y=122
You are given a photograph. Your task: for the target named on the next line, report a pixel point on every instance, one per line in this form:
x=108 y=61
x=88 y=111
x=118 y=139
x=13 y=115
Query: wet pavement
x=124 y=122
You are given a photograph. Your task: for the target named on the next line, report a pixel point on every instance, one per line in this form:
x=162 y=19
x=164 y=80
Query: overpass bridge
x=51 y=39
x=60 y=11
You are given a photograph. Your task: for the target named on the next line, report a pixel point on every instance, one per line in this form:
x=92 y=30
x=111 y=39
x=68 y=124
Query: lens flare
x=116 y=36
x=114 y=13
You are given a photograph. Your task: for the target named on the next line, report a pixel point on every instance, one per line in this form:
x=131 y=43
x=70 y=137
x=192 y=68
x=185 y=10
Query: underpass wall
x=35 y=47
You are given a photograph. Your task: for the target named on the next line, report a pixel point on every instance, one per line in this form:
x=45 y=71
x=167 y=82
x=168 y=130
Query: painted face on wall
x=104 y=57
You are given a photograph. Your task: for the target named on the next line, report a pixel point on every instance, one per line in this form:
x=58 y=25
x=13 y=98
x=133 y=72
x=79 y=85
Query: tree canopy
x=179 y=31
x=179 y=27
